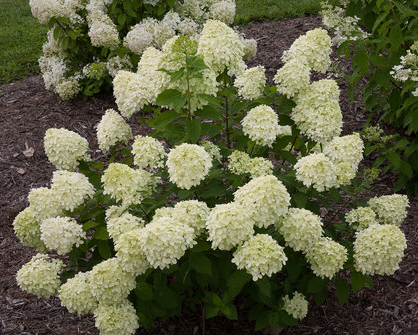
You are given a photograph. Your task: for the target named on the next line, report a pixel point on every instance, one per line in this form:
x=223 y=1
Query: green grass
x=256 y=10
x=21 y=36
x=21 y=39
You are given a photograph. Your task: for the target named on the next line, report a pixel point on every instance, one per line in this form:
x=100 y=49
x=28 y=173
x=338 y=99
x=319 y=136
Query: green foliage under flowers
x=246 y=250
x=393 y=29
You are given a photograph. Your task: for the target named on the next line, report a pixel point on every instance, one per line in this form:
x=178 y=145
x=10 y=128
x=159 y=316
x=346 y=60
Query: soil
x=27 y=110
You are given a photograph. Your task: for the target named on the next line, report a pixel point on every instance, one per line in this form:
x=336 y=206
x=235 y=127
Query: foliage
x=210 y=226
x=390 y=93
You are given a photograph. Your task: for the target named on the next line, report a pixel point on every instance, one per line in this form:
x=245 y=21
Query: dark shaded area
x=27 y=110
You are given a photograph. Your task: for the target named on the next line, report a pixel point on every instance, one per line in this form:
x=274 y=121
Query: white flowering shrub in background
x=89 y=41
x=225 y=198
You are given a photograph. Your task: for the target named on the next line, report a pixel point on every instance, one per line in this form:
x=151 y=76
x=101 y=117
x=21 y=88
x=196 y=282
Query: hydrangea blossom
x=266 y=198
x=293 y=77
x=126 y=184
x=313 y=48
x=212 y=149
x=117 y=63
x=103 y=32
x=65 y=148
x=300 y=228
x=250 y=47
x=188 y=165
x=346 y=149
x=109 y=283
x=67 y=88
x=192 y=213
x=361 y=218
x=165 y=240
x=379 y=249
x=27 y=229
x=112 y=130
x=223 y=11
x=261 y=125
x=118 y=225
x=76 y=296
x=251 y=83
x=316 y=170
x=148 y=152
x=326 y=257
x=116 y=319
x=260 y=256
x=297 y=306
x=345 y=173
x=259 y=167
x=61 y=234
x=71 y=189
x=129 y=252
x=390 y=209
x=221 y=48
x=40 y=276
x=239 y=162
x=229 y=225
x=44 y=203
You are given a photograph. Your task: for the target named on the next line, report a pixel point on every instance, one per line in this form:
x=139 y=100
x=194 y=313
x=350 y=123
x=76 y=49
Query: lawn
x=21 y=36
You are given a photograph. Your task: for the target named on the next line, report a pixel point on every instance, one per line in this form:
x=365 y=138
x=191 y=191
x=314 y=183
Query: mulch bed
x=27 y=110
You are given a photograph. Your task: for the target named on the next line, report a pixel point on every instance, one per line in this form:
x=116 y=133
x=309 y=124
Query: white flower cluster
x=129 y=252
x=111 y=130
x=212 y=149
x=293 y=77
x=390 y=209
x=148 y=152
x=116 y=64
x=297 y=306
x=43 y=203
x=316 y=170
x=361 y=218
x=408 y=68
x=65 y=148
x=109 y=283
x=221 y=48
x=165 y=240
x=261 y=125
x=27 y=229
x=188 y=165
x=241 y=163
x=300 y=228
x=76 y=296
x=44 y=10
x=317 y=112
x=229 y=225
x=346 y=149
x=192 y=213
x=61 y=234
x=345 y=28
x=313 y=49
x=251 y=83
x=40 y=276
x=266 y=198
x=379 y=249
x=126 y=184
x=116 y=319
x=71 y=189
x=326 y=257
x=259 y=167
x=118 y=225
x=261 y=255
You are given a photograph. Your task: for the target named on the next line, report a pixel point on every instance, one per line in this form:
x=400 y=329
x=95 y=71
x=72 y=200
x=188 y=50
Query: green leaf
x=236 y=282
x=230 y=311
x=164 y=119
x=264 y=286
x=208 y=112
x=342 y=290
x=361 y=60
x=359 y=280
x=318 y=287
x=168 y=97
x=90 y=224
x=200 y=263
x=122 y=19
x=394 y=158
x=57 y=32
x=193 y=130
x=101 y=234
x=379 y=20
x=104 y=249
x=395 y=38
x=144 y=291
x=300 y=199
x=211 y=311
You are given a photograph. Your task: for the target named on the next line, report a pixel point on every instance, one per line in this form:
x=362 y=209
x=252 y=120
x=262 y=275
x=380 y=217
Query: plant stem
x=203 y=319
x=226 y=117
x=291 y=147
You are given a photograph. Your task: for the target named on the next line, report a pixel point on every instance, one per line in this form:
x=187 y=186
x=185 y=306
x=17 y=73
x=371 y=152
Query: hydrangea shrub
x=221 y=207
x=381 y=38
x=89 y=41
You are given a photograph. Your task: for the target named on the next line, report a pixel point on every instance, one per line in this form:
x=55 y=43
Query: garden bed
x=27 y=110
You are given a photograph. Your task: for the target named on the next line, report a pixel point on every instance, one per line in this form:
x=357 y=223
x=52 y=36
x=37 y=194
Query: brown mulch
x=27 y=110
